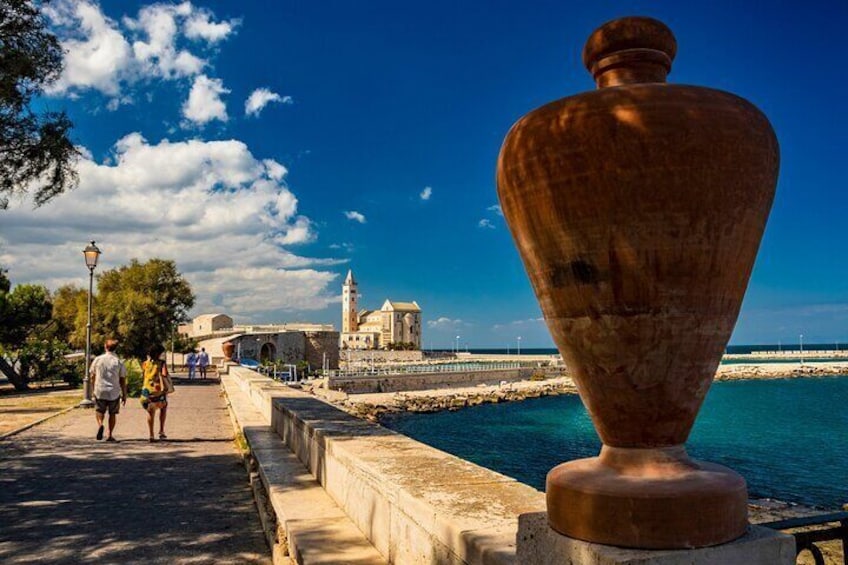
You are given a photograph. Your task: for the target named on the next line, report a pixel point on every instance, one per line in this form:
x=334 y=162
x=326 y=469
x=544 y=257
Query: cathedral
x=394 y=325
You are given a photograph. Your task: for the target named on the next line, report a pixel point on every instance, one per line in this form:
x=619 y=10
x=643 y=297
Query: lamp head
x=91 y=252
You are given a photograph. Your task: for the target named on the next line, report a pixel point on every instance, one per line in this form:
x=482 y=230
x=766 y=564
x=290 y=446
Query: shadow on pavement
x=114 y=504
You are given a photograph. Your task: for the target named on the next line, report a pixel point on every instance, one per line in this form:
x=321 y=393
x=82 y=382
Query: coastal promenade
x=67 y=498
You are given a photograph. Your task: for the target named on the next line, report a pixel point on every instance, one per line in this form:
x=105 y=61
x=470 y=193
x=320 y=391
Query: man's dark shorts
x=114 y=406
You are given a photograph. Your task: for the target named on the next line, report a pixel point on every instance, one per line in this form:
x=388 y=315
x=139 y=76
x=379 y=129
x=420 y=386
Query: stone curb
x=37 y=422
x=268 y=520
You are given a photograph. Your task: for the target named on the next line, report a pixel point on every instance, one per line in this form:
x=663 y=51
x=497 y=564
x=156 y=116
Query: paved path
x=66 y=498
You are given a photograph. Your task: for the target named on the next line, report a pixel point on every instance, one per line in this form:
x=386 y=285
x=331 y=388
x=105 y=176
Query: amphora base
x=647 y=498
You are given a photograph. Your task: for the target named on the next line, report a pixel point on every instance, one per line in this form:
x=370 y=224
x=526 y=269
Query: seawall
x=414 y=503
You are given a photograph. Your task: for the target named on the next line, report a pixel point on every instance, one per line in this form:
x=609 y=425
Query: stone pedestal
x=537 y=543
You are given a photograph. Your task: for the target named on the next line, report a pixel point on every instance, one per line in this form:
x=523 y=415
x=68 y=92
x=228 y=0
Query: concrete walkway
x=67 y=498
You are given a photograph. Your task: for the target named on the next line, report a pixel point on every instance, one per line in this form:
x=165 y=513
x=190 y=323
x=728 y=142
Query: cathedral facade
x=394 y=325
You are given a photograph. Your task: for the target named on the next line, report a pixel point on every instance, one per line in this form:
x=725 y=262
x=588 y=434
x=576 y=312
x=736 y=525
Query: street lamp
x=519 y=346
x=91 y=253
x=457 y=345
x=801 y=343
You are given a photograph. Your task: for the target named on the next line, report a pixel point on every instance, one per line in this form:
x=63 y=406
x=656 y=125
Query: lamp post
x=456 y=351
x=519 y=346
x=91 y=253
x=801 y=343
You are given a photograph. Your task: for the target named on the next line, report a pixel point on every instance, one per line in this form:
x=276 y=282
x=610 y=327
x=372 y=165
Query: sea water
x=787 y=437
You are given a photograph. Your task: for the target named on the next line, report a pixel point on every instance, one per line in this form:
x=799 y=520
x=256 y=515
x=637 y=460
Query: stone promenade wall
x=416 y=504
x=425 y=381
x=379 y=356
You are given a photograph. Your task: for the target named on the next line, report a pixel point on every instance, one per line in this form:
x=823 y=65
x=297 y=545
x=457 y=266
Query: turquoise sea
x=787 y=437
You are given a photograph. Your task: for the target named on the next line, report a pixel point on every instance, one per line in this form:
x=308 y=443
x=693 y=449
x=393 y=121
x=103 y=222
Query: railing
x=418 y=369
x=820 y=529
x=288 y=374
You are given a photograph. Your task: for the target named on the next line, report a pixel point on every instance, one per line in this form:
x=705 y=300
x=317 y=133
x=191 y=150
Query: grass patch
x=241 y=442
x=20 y=410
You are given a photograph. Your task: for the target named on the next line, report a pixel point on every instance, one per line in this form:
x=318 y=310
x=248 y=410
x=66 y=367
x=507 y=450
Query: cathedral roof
x=349 y=278
x=401 y=306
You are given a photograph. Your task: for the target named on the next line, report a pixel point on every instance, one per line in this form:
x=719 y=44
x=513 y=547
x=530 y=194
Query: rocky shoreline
x=374 y=406
x=740 y=371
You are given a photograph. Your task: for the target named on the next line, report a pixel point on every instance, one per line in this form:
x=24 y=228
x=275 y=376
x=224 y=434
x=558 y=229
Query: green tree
x=70 y=312
x=139 y=304
x=23 y=310
x=36 y=152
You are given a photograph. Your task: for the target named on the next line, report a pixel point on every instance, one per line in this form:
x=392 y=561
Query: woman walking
x=154 y=391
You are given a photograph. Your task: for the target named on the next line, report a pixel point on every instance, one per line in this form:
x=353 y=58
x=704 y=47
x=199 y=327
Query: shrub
x=134 y=378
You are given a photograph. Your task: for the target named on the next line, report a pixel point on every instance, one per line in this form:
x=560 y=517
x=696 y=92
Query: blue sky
x=375 y=150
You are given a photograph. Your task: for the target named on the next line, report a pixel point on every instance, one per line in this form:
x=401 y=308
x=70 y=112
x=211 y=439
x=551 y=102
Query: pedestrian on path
x=191 y=361
x=154 y=390
x=109 y=382
x=203 y=362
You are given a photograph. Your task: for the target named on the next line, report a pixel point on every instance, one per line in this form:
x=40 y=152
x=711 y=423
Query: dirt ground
x=18 y=410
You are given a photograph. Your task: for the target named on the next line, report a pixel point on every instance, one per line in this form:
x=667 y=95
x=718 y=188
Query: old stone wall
x=379 y=356
x=319 y=344
x=425 y=381
x=288 y=347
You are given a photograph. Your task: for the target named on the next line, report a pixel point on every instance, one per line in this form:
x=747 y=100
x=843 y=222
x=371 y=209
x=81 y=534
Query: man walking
x=191 y=361
x=109 y=381
x=203 y=362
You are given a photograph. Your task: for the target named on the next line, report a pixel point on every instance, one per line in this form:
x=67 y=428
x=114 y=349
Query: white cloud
x=223 y=215
x=200 y=26
x=426 y=193
x=103 y=55
x=344 y=245
x=485 y=223
x=518 y=324
x=97 y=56
x=260 y=98
x=157 y=51
x=299 y=232
x=496 y=208
x=204 y=102
x=355 y=216
x=444 y=323
x=275 y=170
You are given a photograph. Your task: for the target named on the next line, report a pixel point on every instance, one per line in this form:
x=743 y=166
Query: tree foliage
x=70 y=311
x=23 y=310
x=36 y=152
x=139 y=304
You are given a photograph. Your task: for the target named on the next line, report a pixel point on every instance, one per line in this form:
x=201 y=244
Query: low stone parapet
x=402 y=382
x=414 y=503
x=380 y=356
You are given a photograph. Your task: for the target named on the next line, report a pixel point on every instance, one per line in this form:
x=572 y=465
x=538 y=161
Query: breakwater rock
x=372 y=406
x=780 y=371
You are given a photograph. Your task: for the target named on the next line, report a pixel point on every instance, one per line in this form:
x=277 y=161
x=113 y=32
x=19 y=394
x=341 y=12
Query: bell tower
x=350 y=322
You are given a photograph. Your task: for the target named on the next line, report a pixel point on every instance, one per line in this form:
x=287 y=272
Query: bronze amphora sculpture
x=638 y=209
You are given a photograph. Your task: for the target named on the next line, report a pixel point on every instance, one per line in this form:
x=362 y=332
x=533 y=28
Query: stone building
x=394 y=323
x=206 y=324
x=317 y=348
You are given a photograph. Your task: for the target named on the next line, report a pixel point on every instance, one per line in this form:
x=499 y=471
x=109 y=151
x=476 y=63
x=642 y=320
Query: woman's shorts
x=155 y=402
